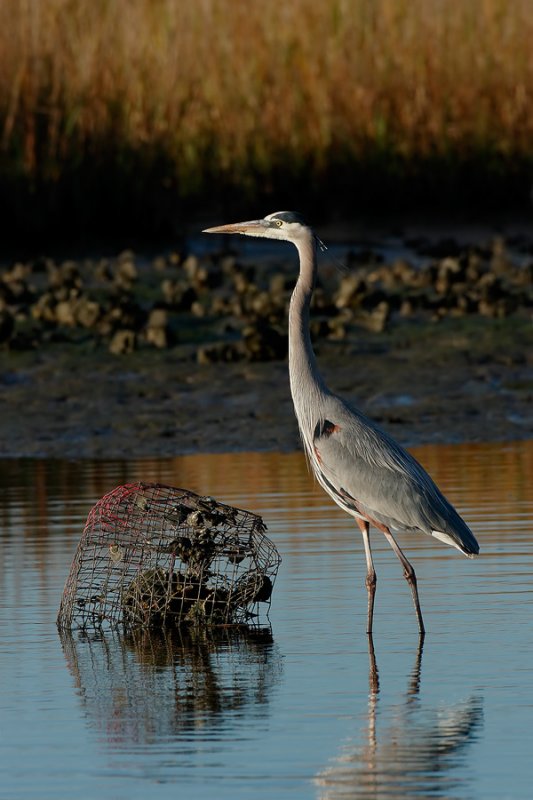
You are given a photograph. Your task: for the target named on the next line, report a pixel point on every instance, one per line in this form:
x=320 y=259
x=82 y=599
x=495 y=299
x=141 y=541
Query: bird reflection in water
x=416 y=752
x=157 y=686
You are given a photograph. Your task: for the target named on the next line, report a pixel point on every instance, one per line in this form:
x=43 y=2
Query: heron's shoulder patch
x=325 y=428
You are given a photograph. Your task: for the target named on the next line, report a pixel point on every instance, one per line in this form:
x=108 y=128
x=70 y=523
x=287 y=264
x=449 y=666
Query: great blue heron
x=361 y=467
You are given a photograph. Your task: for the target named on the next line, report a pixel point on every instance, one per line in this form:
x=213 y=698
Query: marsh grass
x=141 y=96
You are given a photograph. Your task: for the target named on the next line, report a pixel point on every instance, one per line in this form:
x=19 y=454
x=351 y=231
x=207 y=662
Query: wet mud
x=445 y=383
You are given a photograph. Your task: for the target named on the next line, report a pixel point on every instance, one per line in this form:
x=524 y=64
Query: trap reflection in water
x=148 y=686
x=412 y=752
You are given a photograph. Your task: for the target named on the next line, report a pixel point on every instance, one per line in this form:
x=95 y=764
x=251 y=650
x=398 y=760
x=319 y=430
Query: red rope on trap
x=105 y=508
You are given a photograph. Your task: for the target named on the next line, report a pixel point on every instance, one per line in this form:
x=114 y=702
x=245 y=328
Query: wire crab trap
x=152 y=556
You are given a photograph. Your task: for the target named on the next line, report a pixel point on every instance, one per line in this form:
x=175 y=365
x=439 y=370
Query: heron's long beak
x=252 y=228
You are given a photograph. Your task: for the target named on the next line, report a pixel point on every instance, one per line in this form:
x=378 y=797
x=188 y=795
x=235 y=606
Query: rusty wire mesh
x=152 y=556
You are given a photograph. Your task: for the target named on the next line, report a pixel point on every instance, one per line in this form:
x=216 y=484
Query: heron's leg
x=409 y=575
x=373 y=676
x=371 y=579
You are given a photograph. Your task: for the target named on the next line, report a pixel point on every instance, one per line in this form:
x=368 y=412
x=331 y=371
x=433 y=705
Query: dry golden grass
x=239 y=89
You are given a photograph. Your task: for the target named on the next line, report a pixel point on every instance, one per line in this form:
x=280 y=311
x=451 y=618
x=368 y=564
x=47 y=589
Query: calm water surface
x=315 y=713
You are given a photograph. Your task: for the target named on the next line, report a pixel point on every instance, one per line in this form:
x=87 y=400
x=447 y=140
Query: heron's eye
x=279 y=223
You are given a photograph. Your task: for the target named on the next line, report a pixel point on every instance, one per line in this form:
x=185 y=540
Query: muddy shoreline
x=459 y=380
x=185 y=352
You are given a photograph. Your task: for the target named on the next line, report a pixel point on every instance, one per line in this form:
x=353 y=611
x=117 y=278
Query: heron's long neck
x=306 y=381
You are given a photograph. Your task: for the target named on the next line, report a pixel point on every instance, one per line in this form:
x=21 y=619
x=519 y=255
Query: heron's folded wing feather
x=359 y=458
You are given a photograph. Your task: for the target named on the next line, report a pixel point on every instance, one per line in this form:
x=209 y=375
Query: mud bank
x=458 y=380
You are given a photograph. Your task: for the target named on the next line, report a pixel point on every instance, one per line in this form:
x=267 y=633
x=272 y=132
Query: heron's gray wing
x=387 y=483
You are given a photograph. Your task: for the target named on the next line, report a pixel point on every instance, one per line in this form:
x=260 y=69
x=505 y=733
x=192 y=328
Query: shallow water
x=315 y=712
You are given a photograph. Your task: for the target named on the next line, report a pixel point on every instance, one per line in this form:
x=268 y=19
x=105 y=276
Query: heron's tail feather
x=467 y=545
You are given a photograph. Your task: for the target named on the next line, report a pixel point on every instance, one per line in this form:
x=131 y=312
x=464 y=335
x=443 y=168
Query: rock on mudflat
x=224 y=310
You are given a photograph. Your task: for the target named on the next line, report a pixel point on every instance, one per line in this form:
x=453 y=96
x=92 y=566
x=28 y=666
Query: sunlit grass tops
x=238 y=90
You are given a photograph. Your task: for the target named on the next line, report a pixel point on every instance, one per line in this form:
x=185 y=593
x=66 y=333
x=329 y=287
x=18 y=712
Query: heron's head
x=285 y=225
